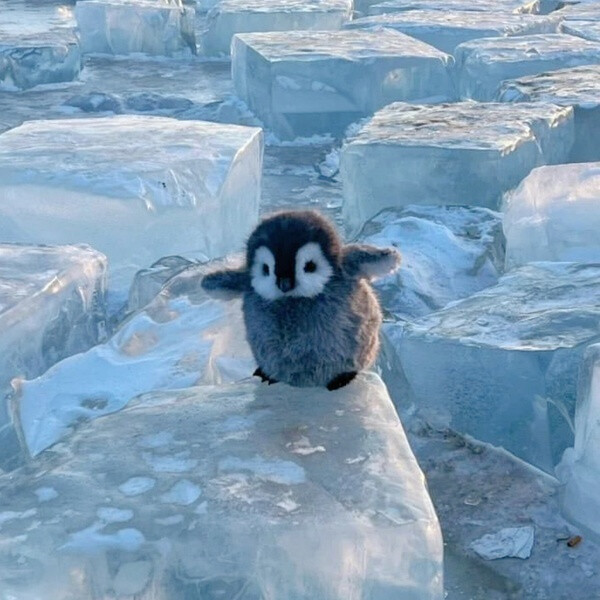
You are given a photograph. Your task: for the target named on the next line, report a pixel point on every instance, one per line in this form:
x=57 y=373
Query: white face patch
x=262 y=274
x=313 y=271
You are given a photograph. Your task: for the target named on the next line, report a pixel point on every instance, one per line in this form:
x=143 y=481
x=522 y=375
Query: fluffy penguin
x=311 y=316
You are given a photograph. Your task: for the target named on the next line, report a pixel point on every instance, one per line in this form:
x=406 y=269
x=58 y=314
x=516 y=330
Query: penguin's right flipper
x=228 y=283
x=263 y=377
x=341 y=380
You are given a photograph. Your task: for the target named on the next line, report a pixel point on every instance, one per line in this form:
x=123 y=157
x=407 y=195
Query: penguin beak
x=285 y=284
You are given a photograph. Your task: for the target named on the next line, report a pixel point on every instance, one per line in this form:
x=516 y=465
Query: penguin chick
x=311 y=316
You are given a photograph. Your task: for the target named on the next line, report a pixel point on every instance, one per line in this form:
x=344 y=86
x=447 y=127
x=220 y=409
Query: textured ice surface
x=482 y=65
x=180 y=339
x=35 y=59
x=502 y=365
x=450 y=6
x=254 y=518
x=306 y=83
x=446 y=30
x=554 y=215
x=152 y=27
x=464 y=154
x=51 y=306
x=581 y=11
x=136 y=188
x=579 y=470
x=588 y=30
x=578 y=87
x=448 y=253
x=229 y=17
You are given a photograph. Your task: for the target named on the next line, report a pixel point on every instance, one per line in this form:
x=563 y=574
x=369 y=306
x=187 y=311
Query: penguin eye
x=265 y=269
x=310 y=267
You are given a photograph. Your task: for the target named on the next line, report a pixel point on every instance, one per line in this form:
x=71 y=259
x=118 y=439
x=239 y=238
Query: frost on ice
x=253 y=514
x=450 y=6
x=445 y=30
x=578 y=87
x=307 y=83
x=463 y=154
x=482 y=65
x=127 y=26
x=229 y=17
x=448 y=253
x=502 y=365
x=554 y=215
x=52 y=305
x=136 y=188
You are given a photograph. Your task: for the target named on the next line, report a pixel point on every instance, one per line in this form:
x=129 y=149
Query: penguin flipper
x=362 y=260
x=227 y=283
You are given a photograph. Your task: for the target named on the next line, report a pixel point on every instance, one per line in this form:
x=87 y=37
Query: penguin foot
x=260 y=373
x=339 y=381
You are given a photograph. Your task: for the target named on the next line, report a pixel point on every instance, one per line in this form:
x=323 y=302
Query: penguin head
x=293 y=254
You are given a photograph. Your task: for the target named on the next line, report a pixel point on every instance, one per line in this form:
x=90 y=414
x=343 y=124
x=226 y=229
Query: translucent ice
x=579 y=470
x=448 y=253
x=450 y=6
x=136 y=188
x=502 y=365
x=463 y=154
x=482 y=65
x=51 y=306
x=35 y=59
x=178 y=340
x=254 y=519
x=155 y=27
x=578 y=87
x=306 y=83
x=554 y=215
x=445 y=30
x=229 y=17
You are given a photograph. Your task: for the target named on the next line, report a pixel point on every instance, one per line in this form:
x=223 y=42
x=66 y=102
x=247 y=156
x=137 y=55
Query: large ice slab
x=588 y=30
x=448 y=253
x=482 y=65
x=306 y=83
x=579 y=470
x=154 y=27
x=51 y=306
x=465 y=153
x=580 y=11
x=136 y=188
x=229 y=17
x=578 y=87
x=38 y=58
x=445 y=30
x=502 y=365
x=238 y=491
x=450 y=6
x=554 y=215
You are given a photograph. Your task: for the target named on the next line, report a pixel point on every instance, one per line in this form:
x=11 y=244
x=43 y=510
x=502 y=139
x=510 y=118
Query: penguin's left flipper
x=228 y=283
x=263 y=377
x=341 y=380
x=362 y=260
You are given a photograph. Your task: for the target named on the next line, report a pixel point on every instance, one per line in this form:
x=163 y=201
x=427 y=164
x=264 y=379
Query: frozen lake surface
x=118 y=461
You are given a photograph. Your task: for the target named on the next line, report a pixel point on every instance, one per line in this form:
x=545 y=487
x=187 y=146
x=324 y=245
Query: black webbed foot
x=339 y=381
x=263 y=377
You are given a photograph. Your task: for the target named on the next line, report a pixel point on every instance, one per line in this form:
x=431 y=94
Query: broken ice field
x=307 y=83
x=135 y=188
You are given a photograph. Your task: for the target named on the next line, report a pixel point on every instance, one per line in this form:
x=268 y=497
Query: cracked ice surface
x=51 y=305
x=463 y=154
x=482 y=65
x=554 y=215
x=253 y=519
x=180 y=339
x=445 y=30
x=230 y=17
x=157 y=28
x=136 y=188
x=502 y=365
x=306 y=83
